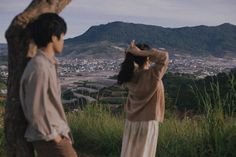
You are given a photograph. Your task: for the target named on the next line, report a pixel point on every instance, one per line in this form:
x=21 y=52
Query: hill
x=199 y=40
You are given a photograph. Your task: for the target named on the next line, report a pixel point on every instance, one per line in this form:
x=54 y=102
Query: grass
x=96 y=131
x=211 y=134
x=196 y=138
x=2 y=86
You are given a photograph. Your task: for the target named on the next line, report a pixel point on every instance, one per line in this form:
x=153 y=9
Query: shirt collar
x=52 y=61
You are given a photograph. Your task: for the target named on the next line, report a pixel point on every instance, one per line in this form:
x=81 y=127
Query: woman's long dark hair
x=127 y=67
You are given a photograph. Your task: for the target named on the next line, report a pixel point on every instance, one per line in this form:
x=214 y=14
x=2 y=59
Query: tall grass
x=196 y=138
x=211 y=134
x=219 y=110
x=96 y=130
x=215 y=100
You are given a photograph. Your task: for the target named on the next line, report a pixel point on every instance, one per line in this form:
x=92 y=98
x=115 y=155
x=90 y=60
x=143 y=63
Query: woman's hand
x=133 y=49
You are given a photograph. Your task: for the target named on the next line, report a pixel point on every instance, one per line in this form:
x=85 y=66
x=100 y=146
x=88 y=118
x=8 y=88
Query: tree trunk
x=19 y=43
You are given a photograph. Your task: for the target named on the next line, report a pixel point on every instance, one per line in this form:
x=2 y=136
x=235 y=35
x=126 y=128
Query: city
x=199 y=67
x=79 y=76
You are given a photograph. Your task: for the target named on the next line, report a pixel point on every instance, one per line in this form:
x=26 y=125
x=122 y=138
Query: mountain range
x=113 y=38
x=110 y=40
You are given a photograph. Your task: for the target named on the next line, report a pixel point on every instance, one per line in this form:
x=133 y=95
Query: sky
x=80 y=15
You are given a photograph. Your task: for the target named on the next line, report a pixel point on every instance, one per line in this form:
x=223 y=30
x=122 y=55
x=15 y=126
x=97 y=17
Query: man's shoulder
x=38 y=62
x=36 y=65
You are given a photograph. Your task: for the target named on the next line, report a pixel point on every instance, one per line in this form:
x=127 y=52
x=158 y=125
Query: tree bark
x=19 y=44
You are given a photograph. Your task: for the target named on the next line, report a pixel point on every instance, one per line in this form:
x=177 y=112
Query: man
x=40 y=93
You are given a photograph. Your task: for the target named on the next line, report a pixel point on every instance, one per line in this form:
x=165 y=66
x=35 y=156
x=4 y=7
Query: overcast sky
x=82 y=14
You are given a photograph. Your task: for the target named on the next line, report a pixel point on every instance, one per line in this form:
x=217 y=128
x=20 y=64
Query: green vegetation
x=2 y=86
x=97 y=131
x=217 y=93
x=198 y=137
x=180 y=95
x=181 y=91
x=209 y=132
x=178 y=92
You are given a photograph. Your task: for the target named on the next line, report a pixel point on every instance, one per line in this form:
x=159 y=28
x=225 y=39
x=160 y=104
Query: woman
x=145 y=103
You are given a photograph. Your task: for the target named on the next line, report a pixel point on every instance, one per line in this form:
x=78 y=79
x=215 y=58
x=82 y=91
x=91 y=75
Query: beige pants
x=53 y=149
x=140 y=139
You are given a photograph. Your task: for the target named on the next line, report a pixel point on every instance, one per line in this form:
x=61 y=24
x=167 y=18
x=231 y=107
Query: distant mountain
x=3 y=49
x=3 y=53
x=113 y=37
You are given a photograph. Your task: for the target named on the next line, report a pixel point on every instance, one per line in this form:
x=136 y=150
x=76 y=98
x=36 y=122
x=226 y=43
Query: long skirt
x=140 y=139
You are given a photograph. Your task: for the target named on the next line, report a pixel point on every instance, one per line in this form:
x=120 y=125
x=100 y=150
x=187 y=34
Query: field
x=97 y=129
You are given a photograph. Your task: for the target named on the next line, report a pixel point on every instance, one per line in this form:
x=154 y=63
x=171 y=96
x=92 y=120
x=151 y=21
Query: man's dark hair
x=45 y=26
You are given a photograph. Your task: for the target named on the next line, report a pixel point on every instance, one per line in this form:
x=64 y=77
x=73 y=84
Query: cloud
x=188 y=12
x=81 y=14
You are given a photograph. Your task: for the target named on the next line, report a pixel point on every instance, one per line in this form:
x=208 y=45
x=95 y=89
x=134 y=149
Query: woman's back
x=146 y=102
x=146 y=94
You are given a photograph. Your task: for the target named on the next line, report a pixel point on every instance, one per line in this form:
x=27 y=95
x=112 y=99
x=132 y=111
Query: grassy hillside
x=97 y=131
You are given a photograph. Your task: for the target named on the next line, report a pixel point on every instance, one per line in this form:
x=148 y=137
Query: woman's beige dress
x=144 y=109
x=140 y=139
